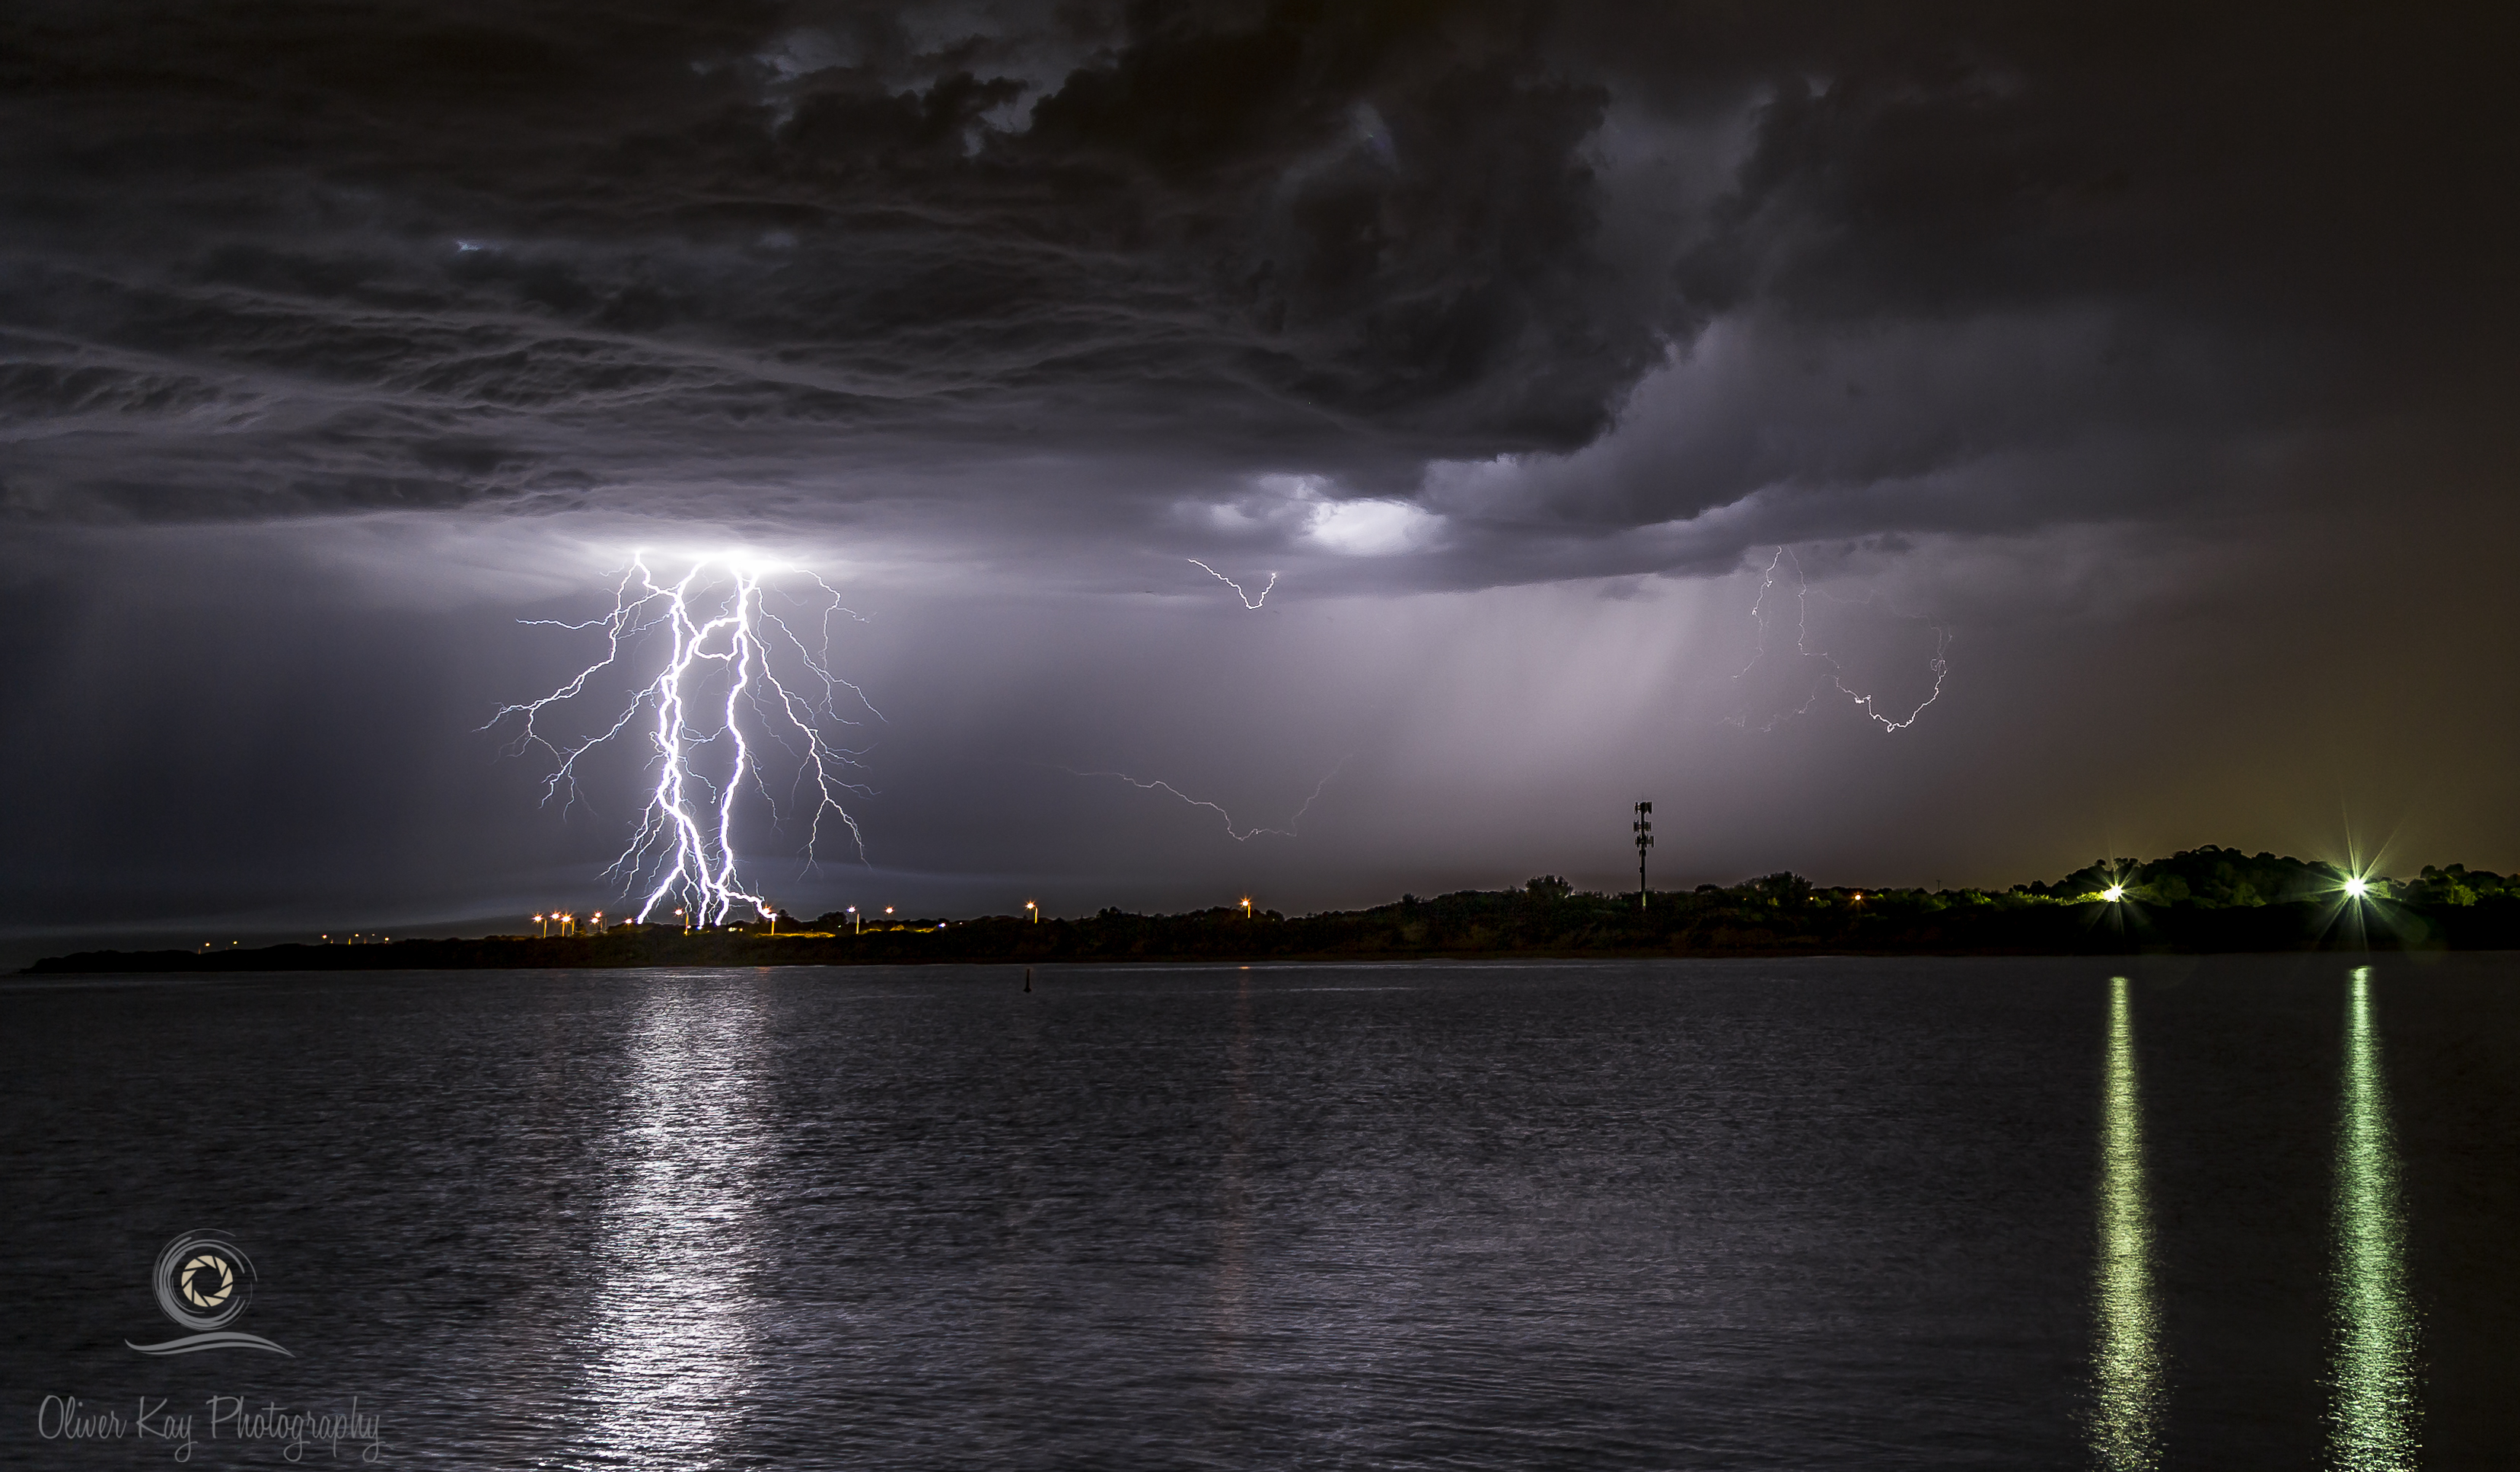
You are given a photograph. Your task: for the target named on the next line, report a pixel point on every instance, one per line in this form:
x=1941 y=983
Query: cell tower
x=1644 y=828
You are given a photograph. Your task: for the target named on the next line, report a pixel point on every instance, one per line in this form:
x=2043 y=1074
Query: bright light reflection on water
x=2126 y=1358
x=674 y=1335
x=2376 y=1414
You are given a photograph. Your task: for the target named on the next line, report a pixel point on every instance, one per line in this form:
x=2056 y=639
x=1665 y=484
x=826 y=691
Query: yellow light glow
x=2125 y=1360
x=2376 y=1416
x=2113 y=893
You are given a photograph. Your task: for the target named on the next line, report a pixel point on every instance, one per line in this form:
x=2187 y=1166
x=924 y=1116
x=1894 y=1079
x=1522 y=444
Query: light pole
x=1644 y=829
x=542 y=928
x=1247 y=906
x=1035 y=908
x=857 y=921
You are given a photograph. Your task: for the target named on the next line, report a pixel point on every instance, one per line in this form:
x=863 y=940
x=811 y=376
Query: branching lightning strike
x=724 y=648
x=1238 y=835
x=1836 y=671
x=1248 y=601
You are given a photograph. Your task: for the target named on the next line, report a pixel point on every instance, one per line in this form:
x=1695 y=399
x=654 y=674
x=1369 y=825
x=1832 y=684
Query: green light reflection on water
x=2376 y=1414
x=2126 y=1358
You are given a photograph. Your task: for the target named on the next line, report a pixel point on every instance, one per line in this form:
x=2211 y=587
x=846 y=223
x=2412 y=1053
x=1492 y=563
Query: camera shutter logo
x=203 y=1281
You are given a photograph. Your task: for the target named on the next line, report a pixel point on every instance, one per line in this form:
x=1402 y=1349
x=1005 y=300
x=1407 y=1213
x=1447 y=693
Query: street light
x=857 y=921
x=542 y=927
x=1247 y=906
x=1036 y=911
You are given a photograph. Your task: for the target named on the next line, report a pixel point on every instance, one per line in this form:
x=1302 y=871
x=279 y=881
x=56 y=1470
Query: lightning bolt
x=710 y=714
x=1248 y=601
x=1238 y=835
x=1836 y=675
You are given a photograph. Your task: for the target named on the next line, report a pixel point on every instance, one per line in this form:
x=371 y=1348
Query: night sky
x=2155 y=365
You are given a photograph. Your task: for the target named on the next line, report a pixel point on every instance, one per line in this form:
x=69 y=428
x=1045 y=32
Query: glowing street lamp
x=2357 y=887
x=857 y=921
x=2113 y=893
x=542 y=927
x=1247 y=906
x=1035 y=908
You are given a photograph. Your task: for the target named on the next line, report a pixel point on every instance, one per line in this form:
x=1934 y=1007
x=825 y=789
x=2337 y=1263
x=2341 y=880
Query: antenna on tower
x=1644 y=828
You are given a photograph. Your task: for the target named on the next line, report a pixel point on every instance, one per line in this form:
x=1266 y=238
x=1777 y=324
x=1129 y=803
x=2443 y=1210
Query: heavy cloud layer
x=2158 y=359
x=1545 y=274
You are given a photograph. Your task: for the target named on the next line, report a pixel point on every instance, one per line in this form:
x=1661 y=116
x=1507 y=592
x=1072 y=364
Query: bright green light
x=2373 y=1422
x=2113 y=893
x=2125 y=1352
x=2356 y=888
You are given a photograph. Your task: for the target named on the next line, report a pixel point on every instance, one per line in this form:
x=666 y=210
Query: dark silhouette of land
x=2204 y=900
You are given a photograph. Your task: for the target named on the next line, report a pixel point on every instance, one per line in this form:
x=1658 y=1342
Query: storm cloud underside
x=2163 y=358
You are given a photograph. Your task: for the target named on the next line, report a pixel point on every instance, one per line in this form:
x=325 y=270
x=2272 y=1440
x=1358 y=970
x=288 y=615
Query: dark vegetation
x=2209 y=899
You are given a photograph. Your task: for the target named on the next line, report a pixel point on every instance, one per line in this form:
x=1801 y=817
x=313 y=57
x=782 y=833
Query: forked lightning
x=1248 y=601
x=716 y=709
x=1836 y=671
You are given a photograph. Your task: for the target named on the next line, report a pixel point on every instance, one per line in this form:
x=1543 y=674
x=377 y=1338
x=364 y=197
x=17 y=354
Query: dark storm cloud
x=265 y=262
x=1518 y=291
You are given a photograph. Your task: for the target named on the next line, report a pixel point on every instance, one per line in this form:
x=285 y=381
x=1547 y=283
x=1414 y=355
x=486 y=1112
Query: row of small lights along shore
x=568 y=922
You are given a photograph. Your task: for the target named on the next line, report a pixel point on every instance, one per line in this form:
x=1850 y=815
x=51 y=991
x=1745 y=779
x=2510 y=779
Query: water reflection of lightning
x=724 y=651
x=1238 y=835
x=1248 y=601
x=1836 y=676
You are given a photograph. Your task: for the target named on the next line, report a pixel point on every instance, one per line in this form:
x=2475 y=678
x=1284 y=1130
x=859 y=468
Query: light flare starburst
x=738 y=690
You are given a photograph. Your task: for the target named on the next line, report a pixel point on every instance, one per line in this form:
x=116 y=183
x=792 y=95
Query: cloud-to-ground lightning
x=1248 y=601
x=1238 y=835
x=715 y=711
x=1836 y=674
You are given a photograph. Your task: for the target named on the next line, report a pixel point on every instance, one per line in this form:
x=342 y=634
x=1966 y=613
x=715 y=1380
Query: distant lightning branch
x=737 y=682
x=1238 y=835
x=1836 y=671
x=1248 y=601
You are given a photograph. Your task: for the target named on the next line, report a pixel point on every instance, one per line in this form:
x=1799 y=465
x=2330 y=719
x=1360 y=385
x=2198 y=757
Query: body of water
x=2240 y=1212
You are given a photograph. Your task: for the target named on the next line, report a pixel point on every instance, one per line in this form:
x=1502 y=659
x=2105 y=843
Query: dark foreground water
x=1864 y=1214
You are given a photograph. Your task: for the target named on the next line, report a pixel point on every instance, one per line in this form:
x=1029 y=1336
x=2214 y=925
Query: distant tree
x=1783 y=887
x=1547 y=887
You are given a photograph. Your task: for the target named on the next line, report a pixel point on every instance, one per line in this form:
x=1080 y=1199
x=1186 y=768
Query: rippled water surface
x=1864 y=1214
